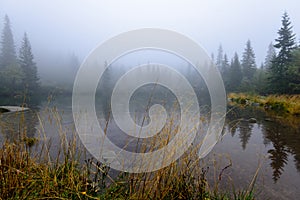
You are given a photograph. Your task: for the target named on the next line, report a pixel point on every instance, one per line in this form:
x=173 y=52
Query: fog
x=58 y=30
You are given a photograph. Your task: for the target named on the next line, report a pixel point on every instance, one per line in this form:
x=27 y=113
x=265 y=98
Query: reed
x=28 y=174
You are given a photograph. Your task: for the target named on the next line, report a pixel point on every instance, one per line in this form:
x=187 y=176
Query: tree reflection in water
x=280 y=138
x=245 y=129
x=285 y=141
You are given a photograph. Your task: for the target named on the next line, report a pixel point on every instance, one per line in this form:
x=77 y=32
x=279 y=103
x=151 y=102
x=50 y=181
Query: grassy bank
x=282 y=104
x=29 y=171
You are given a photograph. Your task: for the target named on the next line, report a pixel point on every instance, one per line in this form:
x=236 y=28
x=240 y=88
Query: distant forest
x=279 y=74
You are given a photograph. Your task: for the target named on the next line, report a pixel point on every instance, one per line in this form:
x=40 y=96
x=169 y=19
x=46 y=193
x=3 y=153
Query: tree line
x=18 y=71
x=279 y=74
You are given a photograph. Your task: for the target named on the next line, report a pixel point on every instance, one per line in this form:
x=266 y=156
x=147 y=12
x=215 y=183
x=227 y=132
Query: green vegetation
x=18 y=75
x=279 y=74
x=29 y=69
x=248 y=66
x=27 y=174
x=284 y=104
x=280 y=78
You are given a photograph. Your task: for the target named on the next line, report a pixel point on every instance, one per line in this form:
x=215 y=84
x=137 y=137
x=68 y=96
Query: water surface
x=272 y=144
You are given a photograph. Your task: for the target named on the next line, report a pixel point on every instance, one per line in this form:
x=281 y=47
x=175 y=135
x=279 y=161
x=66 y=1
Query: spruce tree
x=28 y=66
x=219 y=60
x=271 y=55
x=294 y=72
x=235 y=74
x=260 y=80
x=8 y=52
x=285 y=43
x=10 y=72
x=226 y=68
x=225 y=64
x=248 y=62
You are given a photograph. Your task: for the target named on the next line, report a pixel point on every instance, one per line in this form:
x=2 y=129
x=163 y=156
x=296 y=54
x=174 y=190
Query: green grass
x=27 y=174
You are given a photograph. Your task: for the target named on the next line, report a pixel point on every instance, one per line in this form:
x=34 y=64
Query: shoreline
x=279 y=104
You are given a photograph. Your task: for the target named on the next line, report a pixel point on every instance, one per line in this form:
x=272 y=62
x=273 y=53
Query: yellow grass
x=282 y=103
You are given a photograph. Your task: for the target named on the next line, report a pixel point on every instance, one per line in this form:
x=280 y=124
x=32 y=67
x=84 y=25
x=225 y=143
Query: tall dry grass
x=36 y=174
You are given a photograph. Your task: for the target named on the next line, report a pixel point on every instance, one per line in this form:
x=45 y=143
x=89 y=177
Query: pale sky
x=66 y=26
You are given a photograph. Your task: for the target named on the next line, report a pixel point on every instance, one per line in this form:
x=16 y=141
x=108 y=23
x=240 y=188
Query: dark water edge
x=272 y=142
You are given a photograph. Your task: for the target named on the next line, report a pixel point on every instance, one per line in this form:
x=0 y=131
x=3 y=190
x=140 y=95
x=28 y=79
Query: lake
x=270 y=143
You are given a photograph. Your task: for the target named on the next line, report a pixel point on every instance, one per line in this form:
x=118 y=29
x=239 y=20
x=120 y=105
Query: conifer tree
x=219 y=59
x=248 y=62
x=10 y=72
x=235 y=74
x=294 y=72
x=285 y=43
x=271 y=55
x=28 y=66
x=8 y=52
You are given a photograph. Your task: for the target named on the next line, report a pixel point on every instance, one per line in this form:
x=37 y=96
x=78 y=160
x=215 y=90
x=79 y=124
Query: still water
x=268 y=143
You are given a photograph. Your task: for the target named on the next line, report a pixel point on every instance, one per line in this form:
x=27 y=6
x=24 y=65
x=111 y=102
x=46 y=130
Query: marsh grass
x=282 y=104
x=27 y=173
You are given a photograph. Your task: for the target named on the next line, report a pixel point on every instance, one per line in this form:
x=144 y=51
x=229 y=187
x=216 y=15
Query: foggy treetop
x=63 y=27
